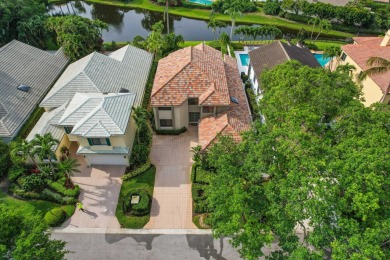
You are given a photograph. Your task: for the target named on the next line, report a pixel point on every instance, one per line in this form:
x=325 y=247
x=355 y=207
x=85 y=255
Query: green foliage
x=54 y=217
x=244 y=6
x=59 y=186
x=325 y=161
x=140 y=169
x=57 y=198
x=171 y=132
x=78 y=36
x=24 y=236
x=254 y=106
x=5 y=160
x=143 y=181
x=143 y=207
x=201 y=206
x=272 y=7
x=198 y=192
x=15 y=172
x=31 y=122
x=33 y=182
x=193 y=171
x=202 y=176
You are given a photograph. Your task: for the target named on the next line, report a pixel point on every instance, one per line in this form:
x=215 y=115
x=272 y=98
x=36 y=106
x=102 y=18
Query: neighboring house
x=198 y=86
x=332 y=2
x=376 y=88
x=91 y=104
x=270 y=55
x=26 y=74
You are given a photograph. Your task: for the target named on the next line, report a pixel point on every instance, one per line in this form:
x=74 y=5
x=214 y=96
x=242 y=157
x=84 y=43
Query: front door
x=193 y=118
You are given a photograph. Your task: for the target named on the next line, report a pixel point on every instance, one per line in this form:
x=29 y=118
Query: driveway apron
x=100 y=186
x=172 y=203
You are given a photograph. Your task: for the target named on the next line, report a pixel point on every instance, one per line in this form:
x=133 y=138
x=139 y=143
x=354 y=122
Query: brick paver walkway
x=172 y=203
x=100 y=186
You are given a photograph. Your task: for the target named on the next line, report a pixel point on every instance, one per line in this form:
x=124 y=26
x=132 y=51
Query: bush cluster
x=143 y=207
x=54 y=217
x=272 y=7
x=198 y=192
x=15 y=172
x=59 y=186
x=202 y=176
x=201 y=207
x=141 y=169
x=244 y=6
x=5 y=160
x=57 y=198
x=254 y=106
x=32 y=182
x=171 y=132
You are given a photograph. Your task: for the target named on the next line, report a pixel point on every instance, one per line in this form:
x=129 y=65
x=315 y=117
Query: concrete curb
x=132 y=231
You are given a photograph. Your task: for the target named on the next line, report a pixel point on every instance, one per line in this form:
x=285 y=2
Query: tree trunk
x=231 y=30
x=317 y=36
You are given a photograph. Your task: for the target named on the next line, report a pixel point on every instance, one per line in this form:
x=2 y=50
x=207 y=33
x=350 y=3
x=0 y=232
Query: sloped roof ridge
x=87 y=117
x=100 y=124
x=86 y=99
x=284 y=50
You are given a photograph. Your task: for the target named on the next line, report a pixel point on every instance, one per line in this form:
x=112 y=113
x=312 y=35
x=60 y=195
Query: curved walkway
x=172 y=202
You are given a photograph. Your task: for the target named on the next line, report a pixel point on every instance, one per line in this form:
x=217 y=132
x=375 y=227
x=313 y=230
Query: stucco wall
x=254 y=79
x=181 y=115
x=64 y=142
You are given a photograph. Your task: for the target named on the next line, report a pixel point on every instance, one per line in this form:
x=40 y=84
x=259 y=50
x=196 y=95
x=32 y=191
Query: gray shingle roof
x=270 y=55
x=126 y=68
x=97 y=114
x=24 y=64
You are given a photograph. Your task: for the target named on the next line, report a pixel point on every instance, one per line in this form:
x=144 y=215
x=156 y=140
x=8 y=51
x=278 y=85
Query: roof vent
x=123 y=90
x=105 y=93
x=23 y=88
x=234 y=100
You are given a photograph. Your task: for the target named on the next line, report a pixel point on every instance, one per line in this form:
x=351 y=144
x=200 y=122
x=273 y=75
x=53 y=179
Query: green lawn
x=39 y=207
x=255 y=18
x=144 y=181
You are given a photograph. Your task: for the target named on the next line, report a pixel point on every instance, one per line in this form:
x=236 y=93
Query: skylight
x=234 y=100
x=23 y=88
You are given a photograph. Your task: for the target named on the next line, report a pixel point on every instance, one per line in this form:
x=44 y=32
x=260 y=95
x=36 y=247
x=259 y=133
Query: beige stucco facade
x=371 y=91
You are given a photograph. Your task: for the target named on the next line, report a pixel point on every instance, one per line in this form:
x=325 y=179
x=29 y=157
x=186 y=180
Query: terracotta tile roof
x=368 y=41
x=202 y=72
x=360 y=54
x=190 y=72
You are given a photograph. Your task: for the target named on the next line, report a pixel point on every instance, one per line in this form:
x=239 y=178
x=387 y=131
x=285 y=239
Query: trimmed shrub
x=139 y=154
x=5 y=160
x=198 y=192
x=58 y=198
x=272 y=7
x=59 y=186
x=252 y=102
x=202 y=176
x=54 y=217
x=141 y=169
x=201 y=207
x=171 y=132
x=193 y=172
x=33 y=182
x=24 y=194
x=143 y=207
x=15 y=172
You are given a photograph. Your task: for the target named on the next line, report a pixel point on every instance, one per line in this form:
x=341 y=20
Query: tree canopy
x=312 y=177
x=78 y=36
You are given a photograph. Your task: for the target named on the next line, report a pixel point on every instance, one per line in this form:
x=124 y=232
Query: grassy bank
x=34 y=207
x=143 y=181
x=255 y=18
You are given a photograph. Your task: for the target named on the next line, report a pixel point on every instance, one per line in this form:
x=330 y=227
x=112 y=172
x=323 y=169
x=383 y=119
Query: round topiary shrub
x=55 y=217
x=143 y=206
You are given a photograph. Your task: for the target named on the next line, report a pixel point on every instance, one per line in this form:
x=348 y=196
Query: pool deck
x=241 y=68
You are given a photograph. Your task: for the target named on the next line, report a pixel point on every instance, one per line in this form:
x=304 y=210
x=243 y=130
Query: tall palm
x=68 y=167
x=43 y=145
x=21 y=150
x=313 y=21
x=324 y=26
x=333 y=53
x=377 y=65
x=155 y=40
x=214 y=24
x=234 y=14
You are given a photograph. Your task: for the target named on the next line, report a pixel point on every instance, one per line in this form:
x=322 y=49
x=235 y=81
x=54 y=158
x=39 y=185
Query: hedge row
x=59 y=186
x=198 y=192
x=46 y=194
x=143 y=207
x=141 y=169
x=202 y=207
x=171 y=132
x=31 y=122
x=54 y=217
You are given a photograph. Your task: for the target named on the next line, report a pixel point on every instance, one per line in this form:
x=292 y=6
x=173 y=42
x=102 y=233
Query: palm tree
x=21 y=150
x=155 y=40
x=332 y=52
x=313 y=21
x=377 y=65
x=214 y=24
x=234 y=14
x=324 y=25
x=42 y=147
x=68 y=167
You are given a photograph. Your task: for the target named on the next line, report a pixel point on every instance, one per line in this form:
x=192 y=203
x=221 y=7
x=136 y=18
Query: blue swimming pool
x=202 y=2
x=244 y=59
x=321 y=60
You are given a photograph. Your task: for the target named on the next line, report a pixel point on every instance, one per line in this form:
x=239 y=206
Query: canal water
x=125 y=23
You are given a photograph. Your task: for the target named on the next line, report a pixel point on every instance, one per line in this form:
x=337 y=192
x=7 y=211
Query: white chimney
x=386 y=40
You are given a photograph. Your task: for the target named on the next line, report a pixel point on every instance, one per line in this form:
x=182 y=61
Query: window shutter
x=66 y=130
x=108 y=141
x=90 y=141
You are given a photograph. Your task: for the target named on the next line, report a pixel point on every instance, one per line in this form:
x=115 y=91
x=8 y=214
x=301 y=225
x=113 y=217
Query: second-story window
x=208 y=109
x=193 y=101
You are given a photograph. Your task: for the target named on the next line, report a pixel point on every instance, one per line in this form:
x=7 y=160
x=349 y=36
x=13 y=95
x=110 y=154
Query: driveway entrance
x=172 y=202
x=100 y=187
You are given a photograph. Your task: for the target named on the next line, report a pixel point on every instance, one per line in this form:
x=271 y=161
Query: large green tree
x=312 y=177
x=25 y=237
x=78 y=36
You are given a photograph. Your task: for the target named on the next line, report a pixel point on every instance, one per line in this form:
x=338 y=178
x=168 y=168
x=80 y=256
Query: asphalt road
x=146 y=246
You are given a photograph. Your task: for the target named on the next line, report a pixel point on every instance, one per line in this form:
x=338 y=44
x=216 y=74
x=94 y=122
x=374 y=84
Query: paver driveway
x=172 y=204
x=100 y=186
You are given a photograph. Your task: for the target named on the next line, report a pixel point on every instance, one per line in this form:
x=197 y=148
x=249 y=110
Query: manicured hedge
x=15 y=189
x=59 y=186
x=193 y=172
x=31 y=122
x=171 y=132
x=5 y=160
x=202 y=176
x=143 y=207
x=15 y=172
x=139 y=170
x=56 y=197
x=198 y=192
x=201 y=207
x=55 y=217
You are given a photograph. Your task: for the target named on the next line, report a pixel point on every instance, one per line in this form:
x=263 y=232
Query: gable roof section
x=98 y=115
x=191 y=72
x=27 y=65
x=361 y=53
x=126 y=68
x=270 y=55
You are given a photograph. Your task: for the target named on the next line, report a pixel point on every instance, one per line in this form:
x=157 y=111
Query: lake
x=126 y=23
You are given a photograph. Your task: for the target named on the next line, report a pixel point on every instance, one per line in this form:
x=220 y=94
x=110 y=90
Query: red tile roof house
x=376 y=88
x=199 y=86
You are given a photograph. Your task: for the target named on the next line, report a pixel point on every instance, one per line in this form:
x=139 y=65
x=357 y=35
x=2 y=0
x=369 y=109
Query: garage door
x=107 y=159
